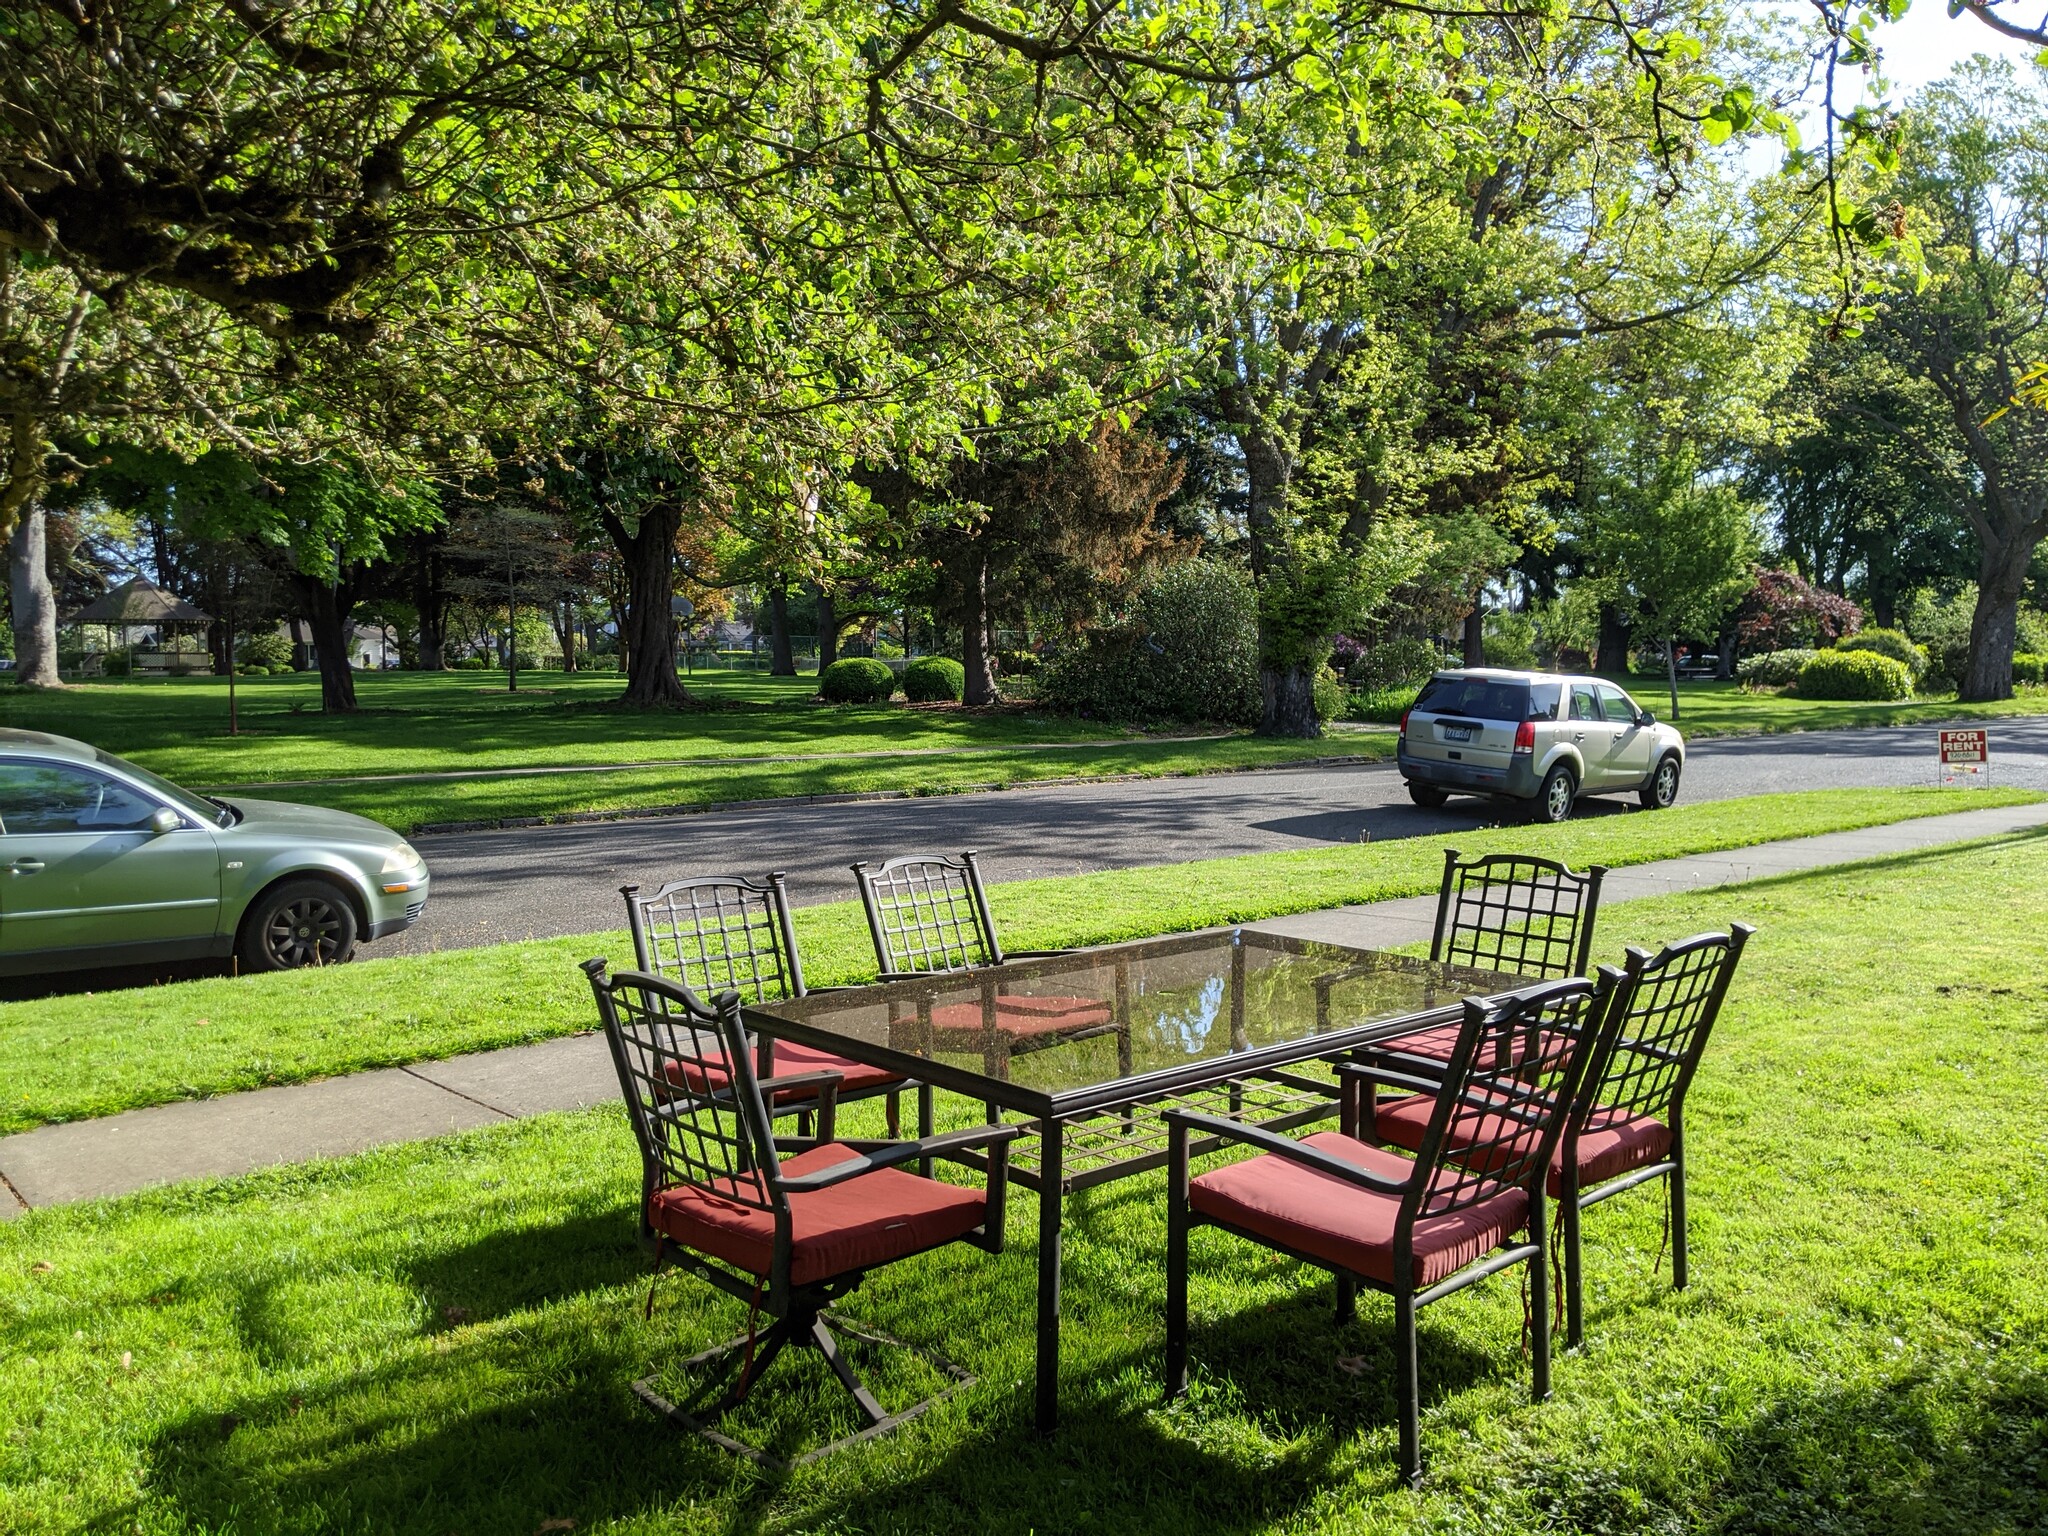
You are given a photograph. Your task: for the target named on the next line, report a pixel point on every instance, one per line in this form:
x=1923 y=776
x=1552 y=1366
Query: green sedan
x=104 y=863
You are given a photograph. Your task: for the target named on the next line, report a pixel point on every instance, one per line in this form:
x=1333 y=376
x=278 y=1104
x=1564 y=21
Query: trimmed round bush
x=1188 y=651
x=1887 y=642
x=934 y=680
x=468 y=664
x=1855 y=675
x=857 y=680
x=1773 y=669
x=2029 y=667
x=265 y=650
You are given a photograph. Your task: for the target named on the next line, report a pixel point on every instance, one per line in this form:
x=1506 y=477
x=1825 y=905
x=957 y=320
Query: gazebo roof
x=140 y=601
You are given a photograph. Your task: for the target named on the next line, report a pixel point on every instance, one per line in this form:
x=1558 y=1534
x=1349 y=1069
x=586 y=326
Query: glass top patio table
x=1058 y=1036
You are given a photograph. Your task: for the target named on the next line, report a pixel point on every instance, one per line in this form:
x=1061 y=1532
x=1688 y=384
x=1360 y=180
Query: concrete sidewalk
x=241 y=1132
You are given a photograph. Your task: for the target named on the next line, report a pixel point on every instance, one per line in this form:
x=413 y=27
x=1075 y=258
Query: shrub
x=1188 y=651
x=468 y=664
x=1331 y=698
x=1773 y=669
x=1510 y=640
x=1383 y=706
x=934 y=680
x=1888 y=642
x=857 y=680
x=114 y=664
x=271 y=650
x=2029 y=667
x=283 y=671
x=1016 y=663
x=1855 y=675
x=1394 y=664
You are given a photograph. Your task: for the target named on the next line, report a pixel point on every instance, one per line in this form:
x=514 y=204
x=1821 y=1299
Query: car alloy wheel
x=1666 y=787
x=1558 y=792
x=304 y=931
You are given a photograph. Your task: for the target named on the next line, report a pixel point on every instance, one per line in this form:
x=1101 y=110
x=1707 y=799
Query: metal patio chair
x=1507 y=912
x=786 y=1236
x=1416 y=1229
x=928 y=916
x=728 y=933
x=1628 y=1124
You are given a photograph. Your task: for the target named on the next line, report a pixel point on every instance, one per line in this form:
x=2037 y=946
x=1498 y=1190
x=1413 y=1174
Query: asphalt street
x=490 y=887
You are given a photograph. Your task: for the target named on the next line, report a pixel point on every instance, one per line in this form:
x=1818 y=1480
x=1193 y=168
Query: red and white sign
x=1960 y=749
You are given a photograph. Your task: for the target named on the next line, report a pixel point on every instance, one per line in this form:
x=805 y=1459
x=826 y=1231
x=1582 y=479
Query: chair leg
x=821 y=1338
x=1677 y=1181
x=1177 y=1264
x=1539 y=1294
x=1574 y=1273
x=1410 y=1391
x=1347 y=1299
x=924 y=1124
x=893 y=1109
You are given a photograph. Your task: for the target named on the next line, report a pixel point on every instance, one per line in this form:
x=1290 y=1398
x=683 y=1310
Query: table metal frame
x=1086 y=1136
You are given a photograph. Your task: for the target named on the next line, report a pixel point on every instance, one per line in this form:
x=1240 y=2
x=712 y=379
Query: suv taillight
x=1404 y=723
x=1525 y=737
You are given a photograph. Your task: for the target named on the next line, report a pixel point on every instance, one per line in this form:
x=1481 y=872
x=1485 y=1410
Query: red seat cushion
x=866 y=1221
x=855 y=1076
x=1312 y=1212
x=1023 y=1018
x=1434 y=1044
x=1611 y=1144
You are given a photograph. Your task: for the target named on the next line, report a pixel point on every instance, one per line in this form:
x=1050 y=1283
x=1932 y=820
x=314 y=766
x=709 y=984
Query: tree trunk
x=328 y=606
x=1671 y=673
x=781 y=658
x=1884 y=608
x=1724 y=652
x=562 y=616
x=648 y=638
x=1288 y=701
x=35 y=604
x=1475 y=635
x=976 y=656
x=1611 y=653
x=302 y=645
x=217 y=648
x=1994 y=626
x=430 y=598
x=828 y=630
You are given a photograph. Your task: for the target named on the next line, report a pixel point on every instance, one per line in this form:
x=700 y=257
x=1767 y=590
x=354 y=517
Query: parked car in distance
x=1542 y=737
x=103 y=863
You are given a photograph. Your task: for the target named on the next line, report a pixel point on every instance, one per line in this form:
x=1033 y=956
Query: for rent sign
x=1964 y=751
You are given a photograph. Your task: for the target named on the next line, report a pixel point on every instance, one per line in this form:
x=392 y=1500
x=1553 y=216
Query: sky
x=1929 y=43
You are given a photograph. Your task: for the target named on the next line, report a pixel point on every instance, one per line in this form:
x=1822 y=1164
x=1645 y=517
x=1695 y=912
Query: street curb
x=657 y=812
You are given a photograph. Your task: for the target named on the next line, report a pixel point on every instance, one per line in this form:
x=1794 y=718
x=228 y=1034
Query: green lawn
x=1725 y=709
x=68 y=1058
x=439 y=1337
x=464 y=722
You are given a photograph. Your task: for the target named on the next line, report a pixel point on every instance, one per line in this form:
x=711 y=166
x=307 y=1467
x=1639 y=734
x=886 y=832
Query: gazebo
x=140 y=603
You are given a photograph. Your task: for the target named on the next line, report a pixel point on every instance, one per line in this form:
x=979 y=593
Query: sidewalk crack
x=19 y=1198
x=430 y=1082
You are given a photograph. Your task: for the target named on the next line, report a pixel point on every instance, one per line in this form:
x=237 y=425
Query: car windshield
x=209 y=811
x=1488 y=698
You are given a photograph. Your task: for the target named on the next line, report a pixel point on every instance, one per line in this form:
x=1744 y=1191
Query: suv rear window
x=1488 y=698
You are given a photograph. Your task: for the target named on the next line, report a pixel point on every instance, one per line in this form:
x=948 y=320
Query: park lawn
x=1711 y=708
x=76 y=1057
x=439 y=1337
x=423 y=724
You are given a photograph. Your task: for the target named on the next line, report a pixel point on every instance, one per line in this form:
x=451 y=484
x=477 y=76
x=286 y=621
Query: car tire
x=1554 y=799
x=297 y=924
x=1428 y=796
x=1662 y=790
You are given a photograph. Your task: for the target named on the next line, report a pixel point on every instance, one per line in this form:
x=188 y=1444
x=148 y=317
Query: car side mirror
x=164 y=819
x=1644 y=717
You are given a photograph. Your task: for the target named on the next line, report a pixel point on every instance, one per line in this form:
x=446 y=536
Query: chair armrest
x=1280 y=1146
x=818 y=1078
x=1393 y=1079
x=903 y=1152
x=1034 y=954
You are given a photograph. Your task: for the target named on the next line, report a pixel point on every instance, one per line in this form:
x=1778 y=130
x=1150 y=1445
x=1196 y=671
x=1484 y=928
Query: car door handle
x=26 y=867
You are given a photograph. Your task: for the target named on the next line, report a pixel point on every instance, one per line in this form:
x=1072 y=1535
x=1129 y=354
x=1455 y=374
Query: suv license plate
x=1457 y=733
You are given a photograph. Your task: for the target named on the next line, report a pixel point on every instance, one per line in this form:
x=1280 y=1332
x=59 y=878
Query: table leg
x=1050 y=1204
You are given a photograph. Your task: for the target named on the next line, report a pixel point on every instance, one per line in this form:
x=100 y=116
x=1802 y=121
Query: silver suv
x=1535 y=736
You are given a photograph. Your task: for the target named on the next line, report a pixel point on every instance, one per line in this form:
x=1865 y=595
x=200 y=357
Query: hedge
x=1855 y=675
x=1774 y=669
x=857 y=680
x=934 y=680
x=1888 y=642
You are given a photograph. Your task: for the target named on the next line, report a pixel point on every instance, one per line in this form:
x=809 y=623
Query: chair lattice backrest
x=1664 y=1009
x=689 y=1087
x=927 y=913
x=1516 y=914
x=723 y=933
x=1507 y=1089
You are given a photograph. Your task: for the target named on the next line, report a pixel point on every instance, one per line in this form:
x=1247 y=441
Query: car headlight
x=400 y=859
